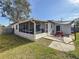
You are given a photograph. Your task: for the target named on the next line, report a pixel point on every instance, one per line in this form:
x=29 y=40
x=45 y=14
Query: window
x=16 y=27
x=37 y=27
x=46 y=27
x=22 y=27
x=58 y=28
x=40 y=27
x=27 y=27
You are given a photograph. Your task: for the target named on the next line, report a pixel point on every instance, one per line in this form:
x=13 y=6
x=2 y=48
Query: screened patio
x=33 y=27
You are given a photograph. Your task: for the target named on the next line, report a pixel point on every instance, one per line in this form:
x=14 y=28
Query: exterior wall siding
x=27 y=35
x=51 y=30
x=66 y=29
x=31 y=36
x=37 y=36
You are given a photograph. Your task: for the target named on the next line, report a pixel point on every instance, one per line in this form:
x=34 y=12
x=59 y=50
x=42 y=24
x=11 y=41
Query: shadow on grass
x=71 y=56
x=9 y=41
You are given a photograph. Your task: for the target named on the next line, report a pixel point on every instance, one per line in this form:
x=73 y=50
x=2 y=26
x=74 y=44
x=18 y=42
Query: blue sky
x=52 y=9
x=55 y=9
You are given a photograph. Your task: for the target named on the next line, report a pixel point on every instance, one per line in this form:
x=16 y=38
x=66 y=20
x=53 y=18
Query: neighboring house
x=35 y=29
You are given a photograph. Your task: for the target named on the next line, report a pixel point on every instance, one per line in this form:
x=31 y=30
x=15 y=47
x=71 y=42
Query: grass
x=14 y=47
x=9 y=41
x=76 y=52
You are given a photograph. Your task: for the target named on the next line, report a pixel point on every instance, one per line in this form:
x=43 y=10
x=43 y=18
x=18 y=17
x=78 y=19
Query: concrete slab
x=62 y=46
x=62 y=43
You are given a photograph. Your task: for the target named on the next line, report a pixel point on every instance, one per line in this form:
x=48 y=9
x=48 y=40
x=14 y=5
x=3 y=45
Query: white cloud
x=74 y=16
x=75 y=2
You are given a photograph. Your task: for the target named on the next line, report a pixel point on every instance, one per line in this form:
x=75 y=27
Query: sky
x=55 y=9
x=52 y=10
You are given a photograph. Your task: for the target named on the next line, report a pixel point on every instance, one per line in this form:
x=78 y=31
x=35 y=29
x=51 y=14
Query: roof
x=62 y=22
x=55 y=22
x=32 y=20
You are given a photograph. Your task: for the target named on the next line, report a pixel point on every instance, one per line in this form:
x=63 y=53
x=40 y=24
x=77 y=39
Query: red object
x=59 y=33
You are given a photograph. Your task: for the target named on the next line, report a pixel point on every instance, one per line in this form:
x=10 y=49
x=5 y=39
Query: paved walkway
x=61 y=44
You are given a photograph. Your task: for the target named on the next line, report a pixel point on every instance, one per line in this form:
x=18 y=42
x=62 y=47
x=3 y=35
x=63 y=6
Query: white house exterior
x=35 y=29
x=33 y=36
x=65 y=27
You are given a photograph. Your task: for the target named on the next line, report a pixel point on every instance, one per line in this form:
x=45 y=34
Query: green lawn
x=76 y=52
x=14 y=47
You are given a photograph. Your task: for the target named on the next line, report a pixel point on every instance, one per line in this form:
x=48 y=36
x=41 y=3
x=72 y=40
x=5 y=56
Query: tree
x=76 y=25
x=15 y=10
x=77 y=22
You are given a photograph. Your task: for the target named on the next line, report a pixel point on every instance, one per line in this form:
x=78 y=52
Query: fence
x=5 y=30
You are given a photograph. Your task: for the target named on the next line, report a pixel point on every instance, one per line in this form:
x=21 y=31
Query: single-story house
x=35 y=29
